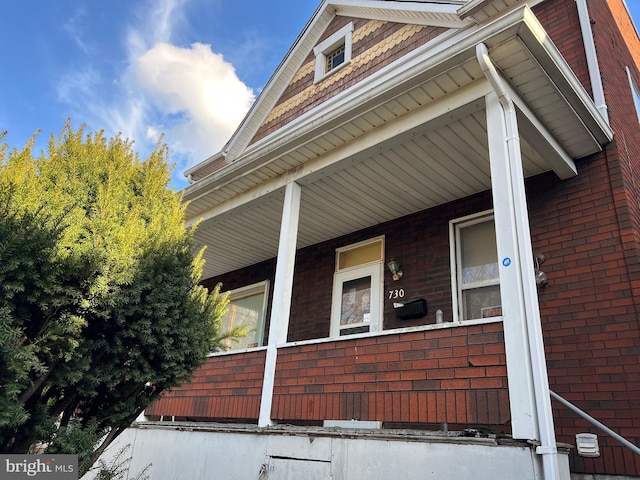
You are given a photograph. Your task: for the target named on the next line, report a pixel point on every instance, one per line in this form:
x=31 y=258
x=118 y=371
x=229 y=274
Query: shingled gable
x=383 y=31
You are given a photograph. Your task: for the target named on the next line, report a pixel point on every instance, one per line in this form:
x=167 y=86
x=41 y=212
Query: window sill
x=331 y=72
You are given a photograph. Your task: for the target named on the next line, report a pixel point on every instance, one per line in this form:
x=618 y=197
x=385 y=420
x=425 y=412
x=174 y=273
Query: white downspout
x=548 y=448
x=592 y=59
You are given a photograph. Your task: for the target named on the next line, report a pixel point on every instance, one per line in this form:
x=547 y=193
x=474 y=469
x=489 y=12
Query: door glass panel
x=356 y=302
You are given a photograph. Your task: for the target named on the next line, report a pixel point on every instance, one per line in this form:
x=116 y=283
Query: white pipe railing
x=595 y=422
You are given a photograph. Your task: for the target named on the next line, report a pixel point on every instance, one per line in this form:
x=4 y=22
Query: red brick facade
x=588 y=228
x=225 y=388
x=451 y=375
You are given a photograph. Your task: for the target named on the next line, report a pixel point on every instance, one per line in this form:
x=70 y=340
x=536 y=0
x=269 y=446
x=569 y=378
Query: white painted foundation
x=204 y=452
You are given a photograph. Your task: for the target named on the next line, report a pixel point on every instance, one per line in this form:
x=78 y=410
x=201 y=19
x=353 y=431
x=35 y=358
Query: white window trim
x=635 y=92
x=342 y=36
x=454 y=255
x=246 y=291
x=373 y=269
x=358 y=245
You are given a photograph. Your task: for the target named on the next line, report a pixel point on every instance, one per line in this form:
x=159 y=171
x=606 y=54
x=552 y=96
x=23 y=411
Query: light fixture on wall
x=541 y=278
x=394 y=268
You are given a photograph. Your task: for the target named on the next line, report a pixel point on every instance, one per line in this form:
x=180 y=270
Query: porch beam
x=538 y=134
x=282 y=290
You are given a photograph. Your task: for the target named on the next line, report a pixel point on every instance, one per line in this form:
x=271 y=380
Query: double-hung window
x=474 y=266
x=247 y=309
x=357 y=288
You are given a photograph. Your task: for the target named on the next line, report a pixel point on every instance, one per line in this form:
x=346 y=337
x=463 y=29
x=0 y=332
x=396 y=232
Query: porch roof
x=411 y=137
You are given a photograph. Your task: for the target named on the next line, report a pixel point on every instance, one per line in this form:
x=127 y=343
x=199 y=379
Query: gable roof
x=451 y=14
x=432 y=93
x=438 y=13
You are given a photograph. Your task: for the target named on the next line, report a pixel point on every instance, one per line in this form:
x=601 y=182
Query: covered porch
x=449 y=131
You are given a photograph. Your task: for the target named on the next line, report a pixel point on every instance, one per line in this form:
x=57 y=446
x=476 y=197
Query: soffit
x=559 y=101
x=426 y=165
x=431 y=165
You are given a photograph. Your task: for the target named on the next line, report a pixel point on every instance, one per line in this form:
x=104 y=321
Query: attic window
x=333 y=52
x=335 y=58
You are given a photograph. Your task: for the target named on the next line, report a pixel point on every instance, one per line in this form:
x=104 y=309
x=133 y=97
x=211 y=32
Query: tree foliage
x=100 y=304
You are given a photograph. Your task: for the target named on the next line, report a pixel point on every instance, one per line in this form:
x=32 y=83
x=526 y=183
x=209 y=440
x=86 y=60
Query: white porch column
x=282 y=288
x=521 y=312
x=521 y=392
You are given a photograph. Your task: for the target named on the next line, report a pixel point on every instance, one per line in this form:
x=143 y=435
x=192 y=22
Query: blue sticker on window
x=506 y=262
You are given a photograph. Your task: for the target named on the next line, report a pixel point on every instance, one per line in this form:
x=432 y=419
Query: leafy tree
x=100 y=304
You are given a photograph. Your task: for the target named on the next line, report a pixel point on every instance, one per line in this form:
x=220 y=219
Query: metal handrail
x=595 y=422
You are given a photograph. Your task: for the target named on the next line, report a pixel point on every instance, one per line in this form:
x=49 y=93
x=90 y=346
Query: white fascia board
x=433 y=7
x=474 y=6
x=428 y=14
x=216 y=156
x=279 y=80
x=554 y=64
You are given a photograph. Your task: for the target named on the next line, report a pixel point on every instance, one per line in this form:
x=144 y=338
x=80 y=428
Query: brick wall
x=419 y=241
x=225 y=388
x=454 y=375
x=588 y=228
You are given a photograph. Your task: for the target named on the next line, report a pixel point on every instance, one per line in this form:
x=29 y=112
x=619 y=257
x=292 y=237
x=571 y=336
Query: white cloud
x=74 y=27
x=80 y=83
x=191 y=94
x=195 y=95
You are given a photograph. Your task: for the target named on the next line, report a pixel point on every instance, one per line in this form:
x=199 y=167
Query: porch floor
x=468 y=436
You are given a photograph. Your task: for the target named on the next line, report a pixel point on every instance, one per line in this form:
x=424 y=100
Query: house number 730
x=398 y=293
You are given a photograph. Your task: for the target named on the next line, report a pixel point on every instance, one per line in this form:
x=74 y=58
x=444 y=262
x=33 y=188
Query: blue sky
x=187 y=68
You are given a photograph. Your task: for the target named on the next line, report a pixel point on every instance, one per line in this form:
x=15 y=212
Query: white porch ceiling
x=430 y=168
x=409 y=140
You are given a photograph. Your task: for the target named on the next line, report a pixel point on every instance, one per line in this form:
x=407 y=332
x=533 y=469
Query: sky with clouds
x=188 y=69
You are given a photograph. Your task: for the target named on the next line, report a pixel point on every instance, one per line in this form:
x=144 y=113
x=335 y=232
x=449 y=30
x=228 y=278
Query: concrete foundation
x=186 y=451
